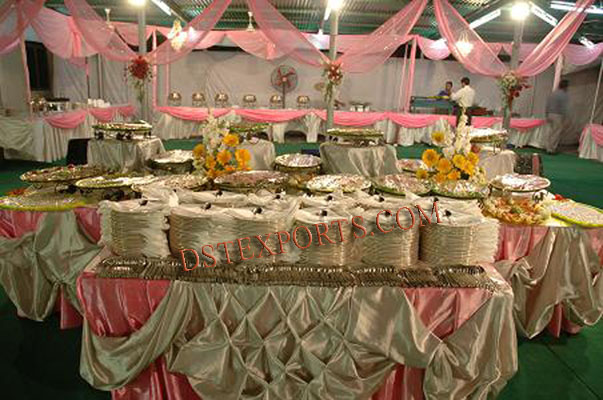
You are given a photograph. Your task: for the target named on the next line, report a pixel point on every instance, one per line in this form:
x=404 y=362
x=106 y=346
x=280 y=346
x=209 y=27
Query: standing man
x=464 y=97
x=556 y=112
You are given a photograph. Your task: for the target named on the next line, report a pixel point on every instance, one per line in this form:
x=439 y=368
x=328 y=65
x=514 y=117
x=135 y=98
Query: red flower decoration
x=140 y=68
x=559 y=197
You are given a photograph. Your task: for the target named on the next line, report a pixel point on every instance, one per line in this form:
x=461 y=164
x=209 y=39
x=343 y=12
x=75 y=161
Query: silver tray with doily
x=248 y=181
x=346 y=183
x=172 y=162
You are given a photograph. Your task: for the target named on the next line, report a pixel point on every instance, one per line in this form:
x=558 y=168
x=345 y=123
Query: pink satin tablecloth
x=118 y=307
x=73 y=119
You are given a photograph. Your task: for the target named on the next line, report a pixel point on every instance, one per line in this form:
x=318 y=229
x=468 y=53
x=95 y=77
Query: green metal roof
x=357 y=16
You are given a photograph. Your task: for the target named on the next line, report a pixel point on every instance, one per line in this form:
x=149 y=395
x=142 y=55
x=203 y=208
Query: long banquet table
x=591 y=142
x=46 y=138
x=399 y=128
x=444 y=342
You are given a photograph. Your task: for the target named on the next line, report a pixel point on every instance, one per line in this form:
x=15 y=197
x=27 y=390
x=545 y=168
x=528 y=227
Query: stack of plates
x=319 y=251
x=193 y=226
x=391 y=245
x=135 y=228
x=259 y=221
x=215 y=197
x=459 y=239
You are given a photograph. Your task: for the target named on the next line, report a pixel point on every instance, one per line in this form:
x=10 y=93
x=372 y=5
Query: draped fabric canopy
x=480 y=58
x=85 y=33
x=105 y=40
x=15 y=17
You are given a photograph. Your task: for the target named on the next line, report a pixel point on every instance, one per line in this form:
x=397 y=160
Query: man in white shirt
x=464 y=97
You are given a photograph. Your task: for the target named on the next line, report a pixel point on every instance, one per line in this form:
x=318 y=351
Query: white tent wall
x=582 y=86
x=13 y=89
x=237 y=73
x=70 y=81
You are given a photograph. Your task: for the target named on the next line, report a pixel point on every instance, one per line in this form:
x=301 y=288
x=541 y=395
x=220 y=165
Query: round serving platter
x=346 y=183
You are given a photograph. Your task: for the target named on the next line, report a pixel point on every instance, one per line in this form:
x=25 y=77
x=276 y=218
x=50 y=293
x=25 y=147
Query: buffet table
x=46 y=138
x=123 y=155
x=41 y=256
x=591 y=142
x=327 y=342
x=399 y=128
x=365 y=161
x=555 y=272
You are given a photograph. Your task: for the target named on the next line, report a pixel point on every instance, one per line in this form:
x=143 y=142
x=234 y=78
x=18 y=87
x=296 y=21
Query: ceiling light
x=486 y=18
x=464 y=47
x=520 y=10
x=332 y=5
x=567 y=6
x=137 y=3
x=250 y=27
x=584 y=40
x=543 y=15
x=162 y=6
x=321 y=32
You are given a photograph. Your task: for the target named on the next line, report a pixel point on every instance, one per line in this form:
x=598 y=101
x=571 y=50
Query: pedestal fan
x=284 y=79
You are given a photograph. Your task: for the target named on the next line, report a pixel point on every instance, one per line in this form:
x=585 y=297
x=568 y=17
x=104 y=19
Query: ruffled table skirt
x=475 y=320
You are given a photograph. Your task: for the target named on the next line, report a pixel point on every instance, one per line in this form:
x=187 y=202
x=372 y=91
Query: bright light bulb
x=137 y=3
x=520 y=10
x=335 y=4
x=464 y=47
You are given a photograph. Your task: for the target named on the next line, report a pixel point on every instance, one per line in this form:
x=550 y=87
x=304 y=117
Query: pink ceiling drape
x=286 y=37
x=547 y=51
x=367 y=54
x=15 y=17
x=105 y=38
x=464 y=43
x=480 y=58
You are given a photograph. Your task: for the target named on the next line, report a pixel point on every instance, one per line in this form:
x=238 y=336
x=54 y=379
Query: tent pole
x=517 y=38
x=142 y=50
x=334 y=31
x=592 y=113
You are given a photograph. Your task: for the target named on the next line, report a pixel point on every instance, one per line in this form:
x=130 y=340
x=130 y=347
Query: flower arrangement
x=334 y=76
x=511 y=86
x=140 y=70
x=455 y=161
x=218 y=154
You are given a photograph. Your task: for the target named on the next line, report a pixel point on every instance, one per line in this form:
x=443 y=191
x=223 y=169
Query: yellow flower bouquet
x=219 y=153
x=453 y=160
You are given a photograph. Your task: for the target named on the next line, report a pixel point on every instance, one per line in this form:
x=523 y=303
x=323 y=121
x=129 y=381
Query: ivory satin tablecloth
x=46 y=138
x=262 y=154
x=123 y=155
x=591 y=142
x=41 y=256
x=495 y=164
x=144 y=338
x=555 y=272
x=367 y=161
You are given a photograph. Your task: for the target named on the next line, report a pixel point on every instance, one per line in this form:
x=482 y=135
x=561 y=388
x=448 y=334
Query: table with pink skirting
x=41 y=256
x=470 y=321
x=46 y=138
x=591 y=142
x=399 y=128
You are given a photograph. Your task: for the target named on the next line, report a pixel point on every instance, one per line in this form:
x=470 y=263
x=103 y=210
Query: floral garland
x=511 y=86
x=456 y=161
x=140 y=70
x=218 y=154
x=334 y=76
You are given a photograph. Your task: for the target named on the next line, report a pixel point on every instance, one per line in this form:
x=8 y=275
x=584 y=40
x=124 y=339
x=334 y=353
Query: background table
x=591 y=142
x=46 y=138
x=367 y=161
x=123 y=155
x=399 y=128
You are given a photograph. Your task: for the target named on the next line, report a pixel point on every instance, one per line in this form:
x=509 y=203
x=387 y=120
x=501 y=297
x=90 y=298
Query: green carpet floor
x=39 y=361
